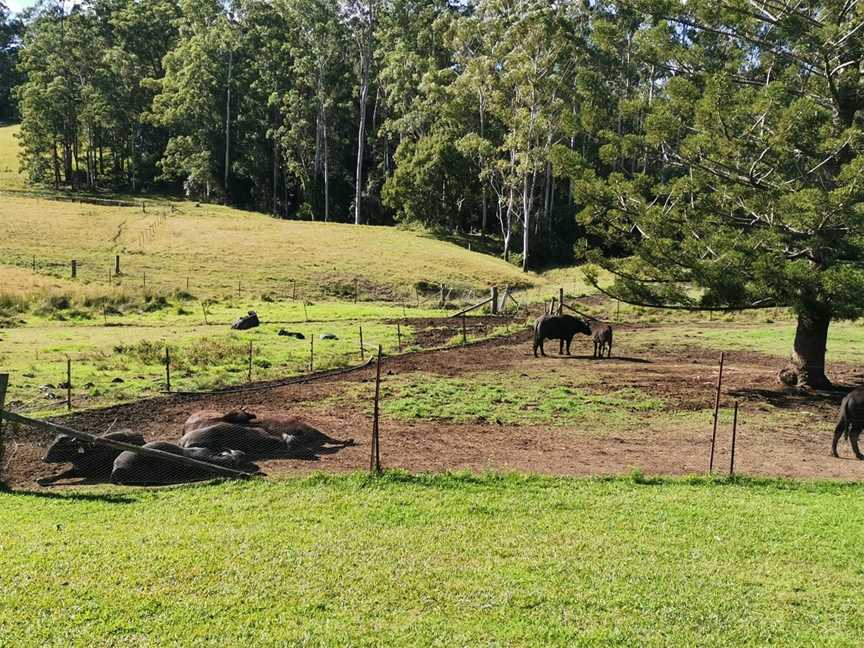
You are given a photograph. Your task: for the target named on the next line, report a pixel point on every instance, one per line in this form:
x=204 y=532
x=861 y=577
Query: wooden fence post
x=4 y=383
x=464 y=331
x=734 y=434
x=494 y=308
x=293 y=290
x=399 y=336
x=168 y=368
x=116 y=264
x=68 y=384
x=34 y=263
x=74 y=268
x=249 y=375
x=362 y=348
x=375 y=459
x=716 y=408
x=145 y=280
x=238 y=289
x=312 y=353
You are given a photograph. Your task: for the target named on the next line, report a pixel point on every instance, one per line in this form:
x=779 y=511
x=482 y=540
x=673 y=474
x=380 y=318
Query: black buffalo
x=247 y=322
x=89 y=460
x=270 y=436
x=850 y=422
x=132 y=468
x=558 y=327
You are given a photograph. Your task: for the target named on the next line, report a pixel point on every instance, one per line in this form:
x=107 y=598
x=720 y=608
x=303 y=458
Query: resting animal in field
x=206 y=418
x=558 y=327
x=850 y=422
x=131 y=468
x=270 y=436
x=602 y=334
x=89 y=460
x=302 y=439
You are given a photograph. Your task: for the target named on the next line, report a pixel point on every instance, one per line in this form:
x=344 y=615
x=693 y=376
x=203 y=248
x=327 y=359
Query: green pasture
x=435 y=561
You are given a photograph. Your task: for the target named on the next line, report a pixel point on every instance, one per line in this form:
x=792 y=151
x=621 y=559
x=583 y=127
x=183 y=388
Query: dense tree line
x=711 y=144
x=10 y=28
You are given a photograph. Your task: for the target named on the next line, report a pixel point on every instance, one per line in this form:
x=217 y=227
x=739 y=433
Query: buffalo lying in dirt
x=280 y=436
x=89 y=460
x=206 y=418
x=602 y=335
x=131 y=468
x=850 y=422
x=558 y=327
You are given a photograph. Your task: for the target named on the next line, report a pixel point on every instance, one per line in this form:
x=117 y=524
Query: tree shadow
x=792 y=397
x=107 y=498
x=621 y=359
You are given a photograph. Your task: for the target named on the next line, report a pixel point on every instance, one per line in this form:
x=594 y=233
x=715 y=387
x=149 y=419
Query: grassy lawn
x=446 y=560
x=10 y=178
x=508 y=397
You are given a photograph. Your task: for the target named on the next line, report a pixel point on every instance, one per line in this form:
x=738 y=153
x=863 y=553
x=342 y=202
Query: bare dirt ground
x=782 y=432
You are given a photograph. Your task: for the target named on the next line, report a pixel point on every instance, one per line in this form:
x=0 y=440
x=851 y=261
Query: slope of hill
x=216 y=247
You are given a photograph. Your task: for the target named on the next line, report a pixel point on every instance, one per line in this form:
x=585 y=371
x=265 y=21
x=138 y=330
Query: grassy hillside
x=442 y=560
x=215 y=247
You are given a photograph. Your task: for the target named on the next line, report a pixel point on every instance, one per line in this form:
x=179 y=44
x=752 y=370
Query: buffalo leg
x=838 y=432
x=542 y=352
x=66 y=474
x=854 y=433
x=561 y=346
x=569 y=340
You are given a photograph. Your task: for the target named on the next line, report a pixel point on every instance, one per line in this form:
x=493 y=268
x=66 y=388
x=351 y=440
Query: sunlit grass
x=423 y=561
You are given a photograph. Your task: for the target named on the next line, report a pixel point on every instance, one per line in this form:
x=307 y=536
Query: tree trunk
x=228 y=121
x=811 y=339
x=361 y=136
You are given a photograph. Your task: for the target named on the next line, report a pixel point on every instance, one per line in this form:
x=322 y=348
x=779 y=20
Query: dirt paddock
x=782 y=432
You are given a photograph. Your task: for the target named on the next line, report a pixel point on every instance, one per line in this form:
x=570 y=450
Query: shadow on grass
x=792 y=397
x=612 y=359
x=463 y=479
x=105 y=498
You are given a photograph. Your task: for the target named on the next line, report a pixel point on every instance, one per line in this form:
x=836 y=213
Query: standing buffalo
x=558 y=327
x=602 y=334
x=851 y=421
x=132 y=468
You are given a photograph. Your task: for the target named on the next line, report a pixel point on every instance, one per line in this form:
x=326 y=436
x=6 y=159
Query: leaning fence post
x=716 y=408
x=734 y=434
x=375 y=458
x=168 y=368
x=362 y=348
x=68 y=383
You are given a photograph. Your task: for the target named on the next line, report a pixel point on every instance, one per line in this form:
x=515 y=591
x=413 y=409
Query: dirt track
x=782 y=432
